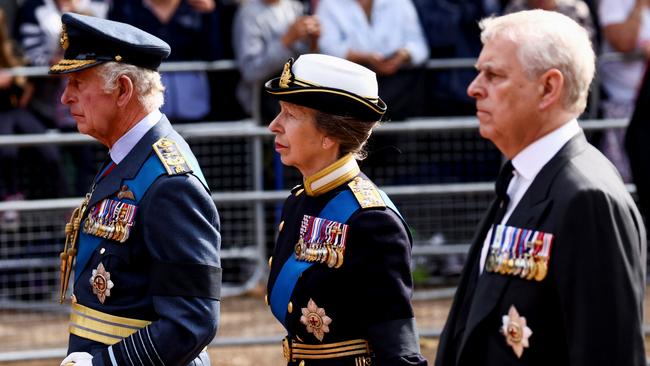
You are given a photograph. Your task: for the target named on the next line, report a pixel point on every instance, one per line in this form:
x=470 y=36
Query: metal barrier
x=257 y=198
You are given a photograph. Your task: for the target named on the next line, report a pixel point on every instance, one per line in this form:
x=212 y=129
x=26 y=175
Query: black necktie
x=501 y=189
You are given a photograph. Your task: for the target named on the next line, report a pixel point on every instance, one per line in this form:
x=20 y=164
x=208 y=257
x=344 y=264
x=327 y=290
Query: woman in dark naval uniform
x=340 y=279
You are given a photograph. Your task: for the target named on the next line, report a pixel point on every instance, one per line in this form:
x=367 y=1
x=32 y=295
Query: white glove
x=78 y=359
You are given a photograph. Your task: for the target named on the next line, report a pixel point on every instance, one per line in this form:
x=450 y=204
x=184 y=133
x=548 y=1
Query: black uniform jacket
x=588 y=310
x=368 y=296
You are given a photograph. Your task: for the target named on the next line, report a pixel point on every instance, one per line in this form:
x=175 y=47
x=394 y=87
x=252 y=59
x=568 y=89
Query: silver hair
x=147 y=85
x=549 y=40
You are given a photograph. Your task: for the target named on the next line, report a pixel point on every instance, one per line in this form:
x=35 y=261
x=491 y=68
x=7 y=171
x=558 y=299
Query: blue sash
x=339 y=209
x=150 y=171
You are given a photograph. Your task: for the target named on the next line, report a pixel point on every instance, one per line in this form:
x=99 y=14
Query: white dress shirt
x=527 y=165
x=123 y=146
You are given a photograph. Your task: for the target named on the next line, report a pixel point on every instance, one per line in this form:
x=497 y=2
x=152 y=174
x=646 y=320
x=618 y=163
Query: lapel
x=129 y=167
x=464 y=293
x=530 y=212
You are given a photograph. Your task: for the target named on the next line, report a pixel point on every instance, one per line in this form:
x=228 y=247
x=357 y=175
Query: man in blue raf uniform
x=146 y=238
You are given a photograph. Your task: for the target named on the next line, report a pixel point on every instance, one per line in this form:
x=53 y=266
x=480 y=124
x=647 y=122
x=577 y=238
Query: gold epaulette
x=366 y=193
x=171 y=157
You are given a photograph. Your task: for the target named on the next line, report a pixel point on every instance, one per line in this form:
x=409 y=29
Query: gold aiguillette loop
x=69 y=249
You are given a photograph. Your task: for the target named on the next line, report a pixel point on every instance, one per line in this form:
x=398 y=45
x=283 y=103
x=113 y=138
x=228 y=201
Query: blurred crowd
x=395 y=38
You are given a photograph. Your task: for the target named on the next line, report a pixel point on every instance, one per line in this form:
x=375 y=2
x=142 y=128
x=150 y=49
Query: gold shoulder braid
x=366 y=193
x=171 y=157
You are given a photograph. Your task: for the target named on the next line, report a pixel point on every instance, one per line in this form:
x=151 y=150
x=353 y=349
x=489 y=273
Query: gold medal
x=332 y=257
x=542 y=269
x=511 y=266
x=489 y=263
x=532 y=269
x=339 y=257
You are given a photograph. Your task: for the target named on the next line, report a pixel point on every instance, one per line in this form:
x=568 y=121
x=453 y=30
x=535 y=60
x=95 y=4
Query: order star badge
x=316 y=320
x=516 y=331
x=101 y=283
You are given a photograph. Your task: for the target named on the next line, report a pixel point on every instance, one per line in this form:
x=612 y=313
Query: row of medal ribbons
x=519 y=252
x=321 y=241
x=111 y=220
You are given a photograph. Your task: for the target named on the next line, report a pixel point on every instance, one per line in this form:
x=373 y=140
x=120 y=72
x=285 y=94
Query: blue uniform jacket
x=168 y=270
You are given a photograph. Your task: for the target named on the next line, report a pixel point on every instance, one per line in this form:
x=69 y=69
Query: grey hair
x=548 y=40
x=351 y=133
x=147 y=85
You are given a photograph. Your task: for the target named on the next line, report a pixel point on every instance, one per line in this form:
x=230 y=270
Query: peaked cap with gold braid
x=331 y=85
x=89 y=41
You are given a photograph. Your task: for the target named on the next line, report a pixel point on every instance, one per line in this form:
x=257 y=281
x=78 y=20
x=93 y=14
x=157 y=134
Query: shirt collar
x=127 y=142
x=332 y=176
x=533 y=158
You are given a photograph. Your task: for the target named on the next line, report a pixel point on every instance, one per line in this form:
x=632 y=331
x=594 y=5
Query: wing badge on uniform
x=315 y=319
x=516 y=331
x=101 y=283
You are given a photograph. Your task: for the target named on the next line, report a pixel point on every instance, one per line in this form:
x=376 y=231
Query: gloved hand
x=78 y=359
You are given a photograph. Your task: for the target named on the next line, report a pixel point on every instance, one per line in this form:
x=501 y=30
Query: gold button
x=302 y=363
x=281 y=225
x=266 y=299
x=270 y=261
x=102 y=251
x=290 y=307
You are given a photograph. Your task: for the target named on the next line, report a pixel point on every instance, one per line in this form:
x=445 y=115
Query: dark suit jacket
x=589 y=308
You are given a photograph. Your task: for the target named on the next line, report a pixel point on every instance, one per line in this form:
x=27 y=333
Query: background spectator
x=191 y=28
x=9 y=7
x=266 y=34
x=384 y=35
x=37 y=29
x=626 y=28
x=577 y=10
x=14 y=118
x=451 y=28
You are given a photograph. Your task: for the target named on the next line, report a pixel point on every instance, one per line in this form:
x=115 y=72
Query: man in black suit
x=556 y=272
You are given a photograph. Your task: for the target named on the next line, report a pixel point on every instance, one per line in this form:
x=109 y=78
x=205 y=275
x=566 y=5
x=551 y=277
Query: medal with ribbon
x=321 y=241
x=524 y=253
x=111 y=219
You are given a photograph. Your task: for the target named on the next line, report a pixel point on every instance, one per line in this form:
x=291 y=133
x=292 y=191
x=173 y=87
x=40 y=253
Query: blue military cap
x=90 y=41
